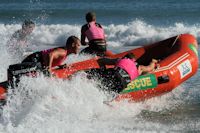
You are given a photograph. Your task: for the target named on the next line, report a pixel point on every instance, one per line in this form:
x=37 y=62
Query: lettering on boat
x=141 y=83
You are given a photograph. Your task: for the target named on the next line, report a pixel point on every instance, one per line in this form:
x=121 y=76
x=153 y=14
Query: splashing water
x=53 y=105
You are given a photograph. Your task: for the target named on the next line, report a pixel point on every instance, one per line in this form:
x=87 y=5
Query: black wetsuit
x=35 y=57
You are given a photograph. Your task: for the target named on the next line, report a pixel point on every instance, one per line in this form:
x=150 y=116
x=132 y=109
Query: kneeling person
x=94 y=32
x=126 y=69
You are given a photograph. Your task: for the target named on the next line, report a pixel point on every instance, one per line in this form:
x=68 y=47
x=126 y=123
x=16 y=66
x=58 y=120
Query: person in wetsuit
x=94 y=32
x=126 y=69
x=56 y=56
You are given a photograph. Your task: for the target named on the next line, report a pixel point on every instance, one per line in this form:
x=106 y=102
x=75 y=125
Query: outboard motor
x=15 y=71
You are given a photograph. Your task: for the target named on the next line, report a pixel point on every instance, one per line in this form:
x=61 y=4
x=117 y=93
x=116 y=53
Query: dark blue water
x=155 y=12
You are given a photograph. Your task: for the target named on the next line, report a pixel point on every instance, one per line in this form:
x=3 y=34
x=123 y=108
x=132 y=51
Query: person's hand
x=51 y=73
x=50 y=70
x=154 y=61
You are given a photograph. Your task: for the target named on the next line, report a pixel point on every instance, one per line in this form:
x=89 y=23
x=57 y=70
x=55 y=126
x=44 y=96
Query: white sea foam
x=133 y=33
x=76 y=106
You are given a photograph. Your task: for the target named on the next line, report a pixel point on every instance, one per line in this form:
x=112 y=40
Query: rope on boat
x=175 y=41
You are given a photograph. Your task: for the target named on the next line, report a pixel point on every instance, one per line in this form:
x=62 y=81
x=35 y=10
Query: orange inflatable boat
x=178 y=62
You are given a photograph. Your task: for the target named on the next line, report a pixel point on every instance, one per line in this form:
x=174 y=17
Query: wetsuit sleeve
x=83 y=36
x=107 y=61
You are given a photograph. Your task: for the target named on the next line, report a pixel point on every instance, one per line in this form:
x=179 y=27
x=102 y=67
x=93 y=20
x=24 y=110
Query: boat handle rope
x=175 y=41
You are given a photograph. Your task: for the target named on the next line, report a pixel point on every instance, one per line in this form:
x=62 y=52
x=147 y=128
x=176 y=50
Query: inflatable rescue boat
x=178 y=62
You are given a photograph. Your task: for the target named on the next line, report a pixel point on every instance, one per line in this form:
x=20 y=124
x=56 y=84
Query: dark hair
x=70 y=41
x=129 y=55
x=27 y=23
x=90 y=16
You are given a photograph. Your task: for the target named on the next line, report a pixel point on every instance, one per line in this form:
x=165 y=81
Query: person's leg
x=108 y=80
x=100 y=50
x=35 y=57
x=86 y=50
x=123 y=81
x=120 y=80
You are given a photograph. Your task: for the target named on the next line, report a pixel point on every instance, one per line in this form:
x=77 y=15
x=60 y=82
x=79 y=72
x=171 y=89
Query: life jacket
x=129 y=65
x=56 y=62
x=94 y=32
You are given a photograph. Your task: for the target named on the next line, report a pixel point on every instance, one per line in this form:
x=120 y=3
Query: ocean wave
x=134 y=33
x=65 y=104
x=140 y=33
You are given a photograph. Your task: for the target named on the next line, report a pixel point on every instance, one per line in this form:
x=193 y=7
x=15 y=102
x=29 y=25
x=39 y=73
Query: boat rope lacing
x=175 y=41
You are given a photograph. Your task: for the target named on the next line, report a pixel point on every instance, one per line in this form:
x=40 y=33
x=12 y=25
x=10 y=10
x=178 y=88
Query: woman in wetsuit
x=95 y=34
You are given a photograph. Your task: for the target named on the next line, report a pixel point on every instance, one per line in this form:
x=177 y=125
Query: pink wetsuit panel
x=129 y=66
x=94 y=32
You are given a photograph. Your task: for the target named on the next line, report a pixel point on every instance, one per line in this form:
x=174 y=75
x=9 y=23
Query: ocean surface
x=76 y=106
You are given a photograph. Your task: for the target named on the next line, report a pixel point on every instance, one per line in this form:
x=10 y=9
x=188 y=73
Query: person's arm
x=51 y=58
x=149 y=68
x=83 y=37
x=54 y=55
x=107 y=61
